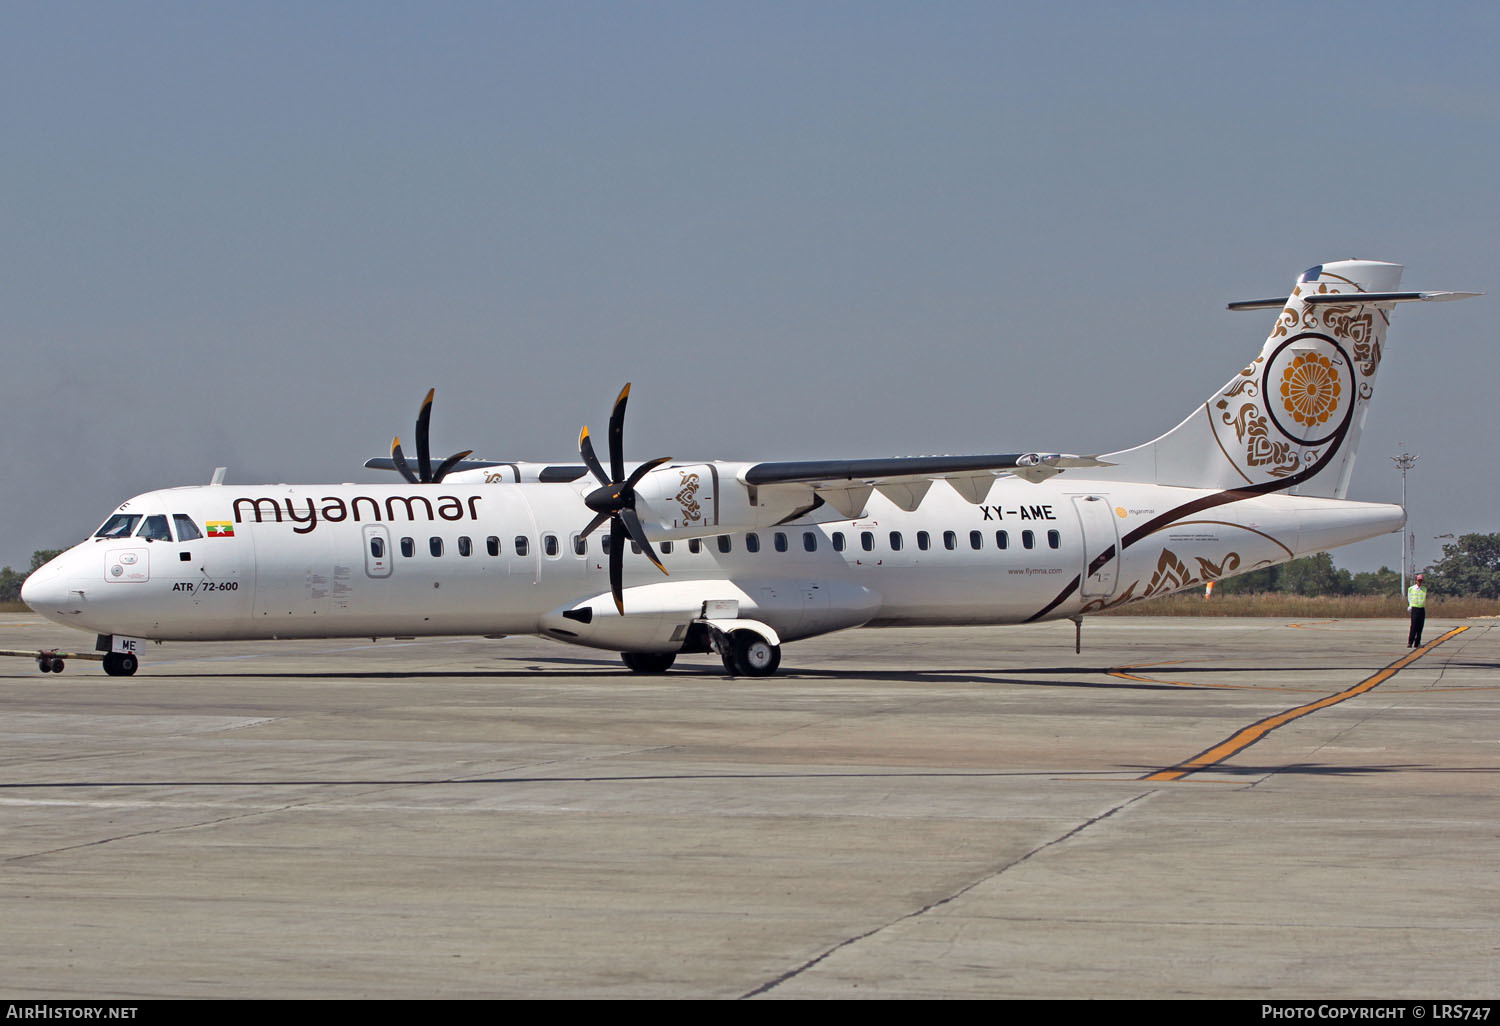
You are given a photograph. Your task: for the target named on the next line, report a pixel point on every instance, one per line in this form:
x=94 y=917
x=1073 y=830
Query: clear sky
x=254 y=234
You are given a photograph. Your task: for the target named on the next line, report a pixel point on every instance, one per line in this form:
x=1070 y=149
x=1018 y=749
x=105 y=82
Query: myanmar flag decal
x=220 y=529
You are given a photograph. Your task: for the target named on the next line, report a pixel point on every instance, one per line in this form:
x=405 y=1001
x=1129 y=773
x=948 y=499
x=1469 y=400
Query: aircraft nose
x=46 y=588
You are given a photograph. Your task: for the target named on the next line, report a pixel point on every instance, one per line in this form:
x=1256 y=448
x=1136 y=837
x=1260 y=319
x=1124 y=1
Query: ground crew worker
x=1416 y=602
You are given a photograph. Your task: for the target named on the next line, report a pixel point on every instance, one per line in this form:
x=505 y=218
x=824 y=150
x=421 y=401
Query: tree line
x=1470 y=567
x=10 y=580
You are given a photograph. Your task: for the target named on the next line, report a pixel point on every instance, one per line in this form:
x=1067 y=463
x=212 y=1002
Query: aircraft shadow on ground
x=606 y=671
x=1307 y=769
x=1043 y=676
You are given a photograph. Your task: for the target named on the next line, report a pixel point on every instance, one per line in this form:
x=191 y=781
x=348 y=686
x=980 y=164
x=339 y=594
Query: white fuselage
x=303 y=561
x=761 y=553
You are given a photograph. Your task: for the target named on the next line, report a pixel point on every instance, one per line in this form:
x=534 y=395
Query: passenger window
x=1054 y=539
x=408 y=547
x=435 y=546
x=580 y=545
x=492 y=545
x=186 y=529
x=867 y=541
x=377 y=548
x=780 y=541
x=752 y=542
x=895 y=541
x=605 y=543
x=695 y=545
x=465 y=547
x=950 y=540
x=121 y=525
x=724 y=543
x=549 y=544
x=1002 y=540
x=838 y=541
x=522 y=545
x=976 y=539
x=155 y=528
x=810 y=541
x=924 y=540
x=666 y=548
x=1028 y=539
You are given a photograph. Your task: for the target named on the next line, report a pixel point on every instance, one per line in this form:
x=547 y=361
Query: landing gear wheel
x=120 y=664
x=751 y=655
x=649 y=662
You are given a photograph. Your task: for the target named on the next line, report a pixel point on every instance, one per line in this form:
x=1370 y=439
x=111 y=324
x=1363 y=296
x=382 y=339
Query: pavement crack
x=796 y=971
x=97 y=842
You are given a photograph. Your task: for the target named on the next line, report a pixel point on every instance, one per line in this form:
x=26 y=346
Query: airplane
x=738 y=558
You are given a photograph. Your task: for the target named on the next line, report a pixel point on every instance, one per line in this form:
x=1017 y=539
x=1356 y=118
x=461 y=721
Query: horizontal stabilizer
x=1348 y=299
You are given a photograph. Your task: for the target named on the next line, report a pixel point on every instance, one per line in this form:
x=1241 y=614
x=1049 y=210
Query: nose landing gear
x=120 y=664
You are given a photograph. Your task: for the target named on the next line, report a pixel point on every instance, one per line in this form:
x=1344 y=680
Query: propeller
x=424 y=473
x=614 y=500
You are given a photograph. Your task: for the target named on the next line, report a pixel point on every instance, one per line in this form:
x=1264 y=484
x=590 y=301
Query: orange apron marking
x=1238 y=742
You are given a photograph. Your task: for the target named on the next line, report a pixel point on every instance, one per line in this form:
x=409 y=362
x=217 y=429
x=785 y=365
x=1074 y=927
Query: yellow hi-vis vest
x=1416 y=596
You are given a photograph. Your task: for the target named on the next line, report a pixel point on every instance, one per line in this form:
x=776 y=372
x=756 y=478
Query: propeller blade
x=586 y=450
x=644 y=469
x=594 y=523
x=424 y=453
x=446 y=467
x=616 y=562
x=423 y=472
x=400 y=460
x=614 y=499
x=617 y=435
x=638 y=535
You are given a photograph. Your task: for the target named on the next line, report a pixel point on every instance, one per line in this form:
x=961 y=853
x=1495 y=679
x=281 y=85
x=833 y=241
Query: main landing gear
x=745 y=654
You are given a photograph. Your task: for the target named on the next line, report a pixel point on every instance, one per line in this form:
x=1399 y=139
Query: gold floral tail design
x=1292 y=417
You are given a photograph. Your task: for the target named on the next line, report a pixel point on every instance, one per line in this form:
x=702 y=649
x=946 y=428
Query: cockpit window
x=155 y=529
x=186 y=529
x=119 y=526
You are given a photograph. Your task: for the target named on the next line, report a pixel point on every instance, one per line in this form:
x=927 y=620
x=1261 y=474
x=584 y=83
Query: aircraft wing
x=847 y=484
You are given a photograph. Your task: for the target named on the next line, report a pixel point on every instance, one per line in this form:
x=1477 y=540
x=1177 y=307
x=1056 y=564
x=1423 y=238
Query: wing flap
x=841 y=473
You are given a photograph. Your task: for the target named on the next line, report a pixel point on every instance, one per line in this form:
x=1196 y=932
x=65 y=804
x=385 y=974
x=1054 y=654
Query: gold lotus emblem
x=1310 y=389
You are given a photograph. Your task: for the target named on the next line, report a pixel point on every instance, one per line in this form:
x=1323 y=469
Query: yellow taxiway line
x=1239 y=741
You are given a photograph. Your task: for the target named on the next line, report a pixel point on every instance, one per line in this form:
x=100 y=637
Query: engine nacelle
x=658 y=616
x=697 y=499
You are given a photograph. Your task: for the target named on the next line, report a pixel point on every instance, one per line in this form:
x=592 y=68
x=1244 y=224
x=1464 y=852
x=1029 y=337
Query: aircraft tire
x=649 y=662
x=754 y=656
x=731 y=667
x=120 y=664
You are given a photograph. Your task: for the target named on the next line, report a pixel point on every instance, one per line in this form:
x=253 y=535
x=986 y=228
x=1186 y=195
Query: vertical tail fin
x=1291 y=420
